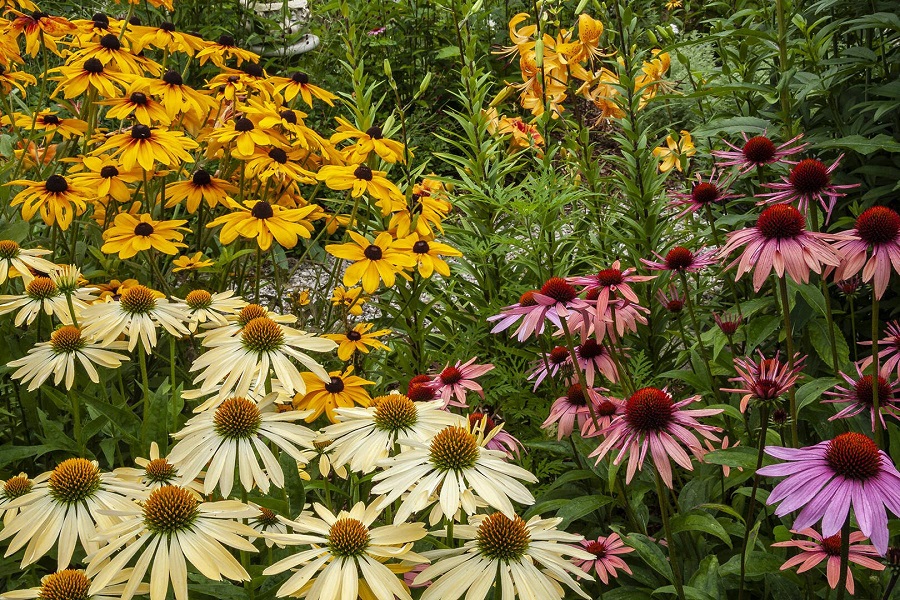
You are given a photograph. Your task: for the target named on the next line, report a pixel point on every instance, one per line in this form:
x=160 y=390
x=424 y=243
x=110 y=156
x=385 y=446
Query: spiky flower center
x=250 y=312
x=854 y=456
x=363 y=172
x=527 y=299
x=348 y=538
x=66 y=340
x=559 y=289
x=679 y=258
x=143 y=229
x=454 y=449
x=56 y=184
x=159 y=470
x=420 y=392
x=864 y=393
x=138 y=300
x=373 y=252
x=590 y=349
x=559 y=355
x=704 y=193
x=8 y=249
x=74 y=480
x=262 y=334
x=649 y=410
x=605 y=409
x=575 y=395
x=610 y=277
x=451 y=376
x=809 y=177
x=41 y=288
x=198 y=299
x=69 y=584
x=262 y=210
x=237 y=418
x=17 y=486
x=170 y=509
x=780 y=222
x=878 y=225
x=832 y=545
x=335 y=386
x=759 y=150
x=779 y=416
x=597 y=548
x=267 y=517
x=395 y=412
x=501 y=538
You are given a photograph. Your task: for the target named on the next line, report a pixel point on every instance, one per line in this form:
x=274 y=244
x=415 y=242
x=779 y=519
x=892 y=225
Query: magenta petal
x=817 y=506
x=839 y=508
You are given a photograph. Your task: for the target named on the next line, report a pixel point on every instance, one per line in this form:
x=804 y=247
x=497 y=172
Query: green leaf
x=447 y=52
x=690 y=593
x=10 y=454
x=702 y=522
x=706 y=577
x=293 y=485
x=724 y=508
x=810 y=391
x=758 y=564
x=812 y=294
x=576 y=508
x=740 y=456
x=818 y=336
x=863 y=145
x=760 y=329
x=650 y=552
x=123 y=419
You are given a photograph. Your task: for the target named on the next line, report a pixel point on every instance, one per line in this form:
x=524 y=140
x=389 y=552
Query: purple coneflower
x=572 y=408
x=652 y=421
x=620 y=316
x=728 y=323
x=813 y=552
x=550 y=365
x=878 y=229
x=809 y=181
x=888 y=349
x=610 y=284
x=766 y=380
x=859 y=394
x=756 y=152
x=849 y=286
x=780 y=240
x=453 y=383
x=671 y=299
x=606 y=551
x=496 y=437
x=593 y=358
x=682 y=260
x=827 y=479
x=605 y=411
x=703 y=194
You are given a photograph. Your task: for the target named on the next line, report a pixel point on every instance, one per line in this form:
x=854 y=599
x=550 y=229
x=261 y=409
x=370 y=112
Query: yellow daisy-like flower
x=361 y=179
x=177 y=97
x=104 y=207
x=138 y=106
x=116 y=288
x=368 y=141
x=40 y=29
x=298 y=84
x=358 y=339
x=343 y=391
x=145 y=146
x=280 y=164
x=428 y=254
x=49 y=122
x=192 y=262
x=424 y=215
x=201 y=187
x=373 y=262
x=249 y=80
x=350 y=298
x=223 y=49
x=10 y=79
x=264 y=222
x=75 y=79
x=166 y=38
x=107 y=177
x=246 y=136
x=110 y=50
x=58 y=200
x=130 y=235
x=671 y=155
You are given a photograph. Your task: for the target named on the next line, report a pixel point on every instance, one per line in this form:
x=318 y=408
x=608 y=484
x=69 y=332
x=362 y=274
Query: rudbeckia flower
x=298 y=84
x=110 y=50
x=350 y=299
x=281 y=164
x=358 y=339
x=10 y=79
x=192 y=262
x=342 y=390
x=48 y=122
x=75 y=79
x=264 y=222
x=145 y=146
x=165 y=37
x=130 y=235
x=107 y=178
x=40 y=29
x=368 y=141
x=373 y=262
x=428 y=254
x=138 y=106
x=201 y=187
x=223 y=49
x=246 y=135
x=360 y=179
x=58 y=200
x=176 y=97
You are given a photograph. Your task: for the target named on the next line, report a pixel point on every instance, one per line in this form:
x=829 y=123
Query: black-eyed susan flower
x=358 y=339
x=115 y=288
x=249 y=80
x=264 y=222
x=343 y=390
x=75 y=79
x=110 y=50
x=423 y=216
x=22 y=260
x=145 y=146
x=177 y=97
x=138 y=106
x=97 y=26
x=223 y=49
x=298 y=84
x=130 y=235
x=10 y=78
x=191 y=263
x=368 y=141
x=107 y=177
x=40 y=30
x=373 y=262
x=279 y=163
x=428 y=254
x=165 y=37
x=361 y=179
x=245 y=135
x=57 y=198
x=49 y=122
x=201 y=187
x=350 y=299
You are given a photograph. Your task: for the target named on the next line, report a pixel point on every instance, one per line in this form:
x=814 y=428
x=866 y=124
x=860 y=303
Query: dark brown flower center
x=780 y=222
x=110 y=42
x=74 y=480
x=143 y=229
x=575 y=395
x=138 y=98
x=878 y=225
x=243 y=125
x=649 y=410
x=201 y=178
x=348 y=538
x=93 y=65
x=759 y=150
x=373 y=252
x=141 y=132
x=854 y=456
x=173 y=77
x=167 y=26
x=679 y=258
x=598 y=549
x=809 y=176
x=335 y=386
x=363 y=172
x=301 y=78
x=609 y=277
x=420 y=392
x=375 y=133
x=289 y=116
x=454 y=449
x=421 y=247
x=589 y=349
x=56 y=184
x=278 y=155
x=226 y=40
x=451 y=376
x=704 y=193
x=559 y=289
x=69 y=584
x=559 y=355
x=108 y=172
x=170 y=509
x=605 y=409
x=501 y=538
x=237 y=418
x=253 y=70
x=832 y=545
x=262 y=210
x=50 y=120
x=354 y=336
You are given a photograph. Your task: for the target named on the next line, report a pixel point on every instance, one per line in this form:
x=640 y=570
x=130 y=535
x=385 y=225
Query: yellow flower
x=246 y=135
x=673 y=4
x=264 y=221
x=428 y=254
x=138 y=106
x=40 y=29
x=75 y=79
x=298 y=83
x=57 y=198
x=103 y=205
x=280 y=164
x=673 y=152
x=49 y=122
x=10 y=79
x=223 y=49
x=358 y=339
x=241 y=83
x=202 y=186
x=110 y=50
x=372 y=262
x=350 y=298
x=361 y=179
x=115 y=288
x=176 y=97
x=130 y=235
x=145 y=146
x=301 y=298
x=368 y=141
x=192 y=262
x=166 y=38
x=343 y=391
x=107 y=177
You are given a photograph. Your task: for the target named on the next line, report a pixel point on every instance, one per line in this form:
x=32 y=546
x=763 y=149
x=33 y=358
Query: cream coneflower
x=266 y=522
x=457 y=463
x=203 y=307
x=348 y=557
x=235 y=363
x=66 y=506
x=172 y=528
x=41 y=295
x=22 y=260
x=59 y=356
x=12 y=489
x=137 y=313
x=155 y=472
x=240 y=318
x=528 y=559
x=363 y=436
x=235 y=436
x=73 y=584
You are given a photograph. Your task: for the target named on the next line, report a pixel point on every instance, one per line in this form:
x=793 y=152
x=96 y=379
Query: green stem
x=258 y=272
x=450 y=539
x=71 y=309
x=748 y=518
x=703 y=353
x=76 y=423
x=145 y=385
x=845 y=553
x=785 y=93
x=789 y=343
x=670 y=539
x=875 y=369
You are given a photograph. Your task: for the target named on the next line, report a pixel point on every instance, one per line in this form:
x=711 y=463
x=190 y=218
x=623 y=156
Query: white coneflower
x=236 y=321
x=235 y=435
x=457 y=463
x=208 y=309
x=171 y=528
x=59 y=356
x=155 y=472
x=365 y=436
x=347 y=557
x=67 y=505
x=266 y=522
x=41 y=295
x=73 y=584
x=13 y=488
x=234 y=364
x=12 y=256
x=529 y=559
x=137 y=313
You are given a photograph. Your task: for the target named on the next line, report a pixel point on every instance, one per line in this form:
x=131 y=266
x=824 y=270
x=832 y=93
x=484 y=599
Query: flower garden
x=476 y=300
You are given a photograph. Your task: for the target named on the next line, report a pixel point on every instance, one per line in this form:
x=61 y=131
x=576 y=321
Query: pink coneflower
x=594 y=358
x=766 y=380
x=496 y=436
x=610 y=284
x=571 y=409
x=606 y=551
x=859 y=394
x=825 y=480
x=671 y=299
x=652 y=421
x=728 y=323
x=421 y=389
x=813 y=552
x=512 y=314
x=550 y=365
x=621 y=316
x=682 y=260
x=605 y=411
x=453 y=383
x=726 y=470
x=809 y=181
x=557 y=299
x=703 y=194
x=780 y=240
x=877 y=229
x=756 y=152
x=850 y=286
x=888 y=349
